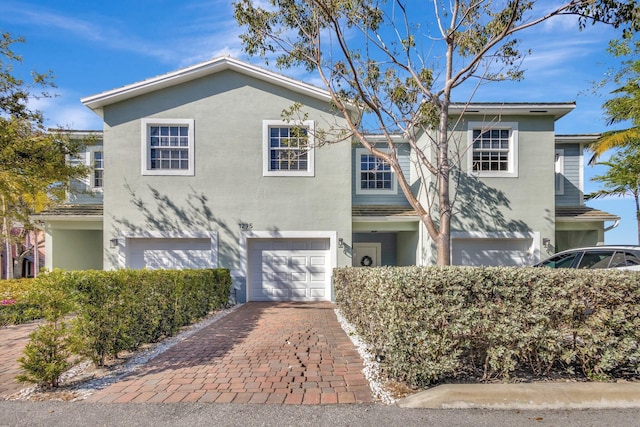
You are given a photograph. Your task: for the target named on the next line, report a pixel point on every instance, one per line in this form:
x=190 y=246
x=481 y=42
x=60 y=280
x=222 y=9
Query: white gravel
x=85 y=389
x=371 y=368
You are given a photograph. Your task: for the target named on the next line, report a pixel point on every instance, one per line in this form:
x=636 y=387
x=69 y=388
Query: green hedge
x=15 y=305
x=121 y=310
x=114 y=311
x=435 y=323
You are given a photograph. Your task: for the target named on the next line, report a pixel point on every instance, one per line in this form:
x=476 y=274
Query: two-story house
x=197 y=169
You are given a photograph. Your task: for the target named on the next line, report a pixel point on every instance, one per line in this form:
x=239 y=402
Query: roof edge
x=98 y=101
x=556 y=109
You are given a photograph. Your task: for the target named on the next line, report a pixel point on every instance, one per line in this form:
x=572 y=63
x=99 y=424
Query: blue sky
x=92 y=47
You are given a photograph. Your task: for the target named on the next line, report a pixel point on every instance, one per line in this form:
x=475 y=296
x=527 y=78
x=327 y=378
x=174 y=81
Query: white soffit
x=555 y=109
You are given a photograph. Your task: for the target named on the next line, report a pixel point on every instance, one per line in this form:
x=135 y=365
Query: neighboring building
x=73 y=231
x=199 y=170
x=26 y=260
x=576 y=224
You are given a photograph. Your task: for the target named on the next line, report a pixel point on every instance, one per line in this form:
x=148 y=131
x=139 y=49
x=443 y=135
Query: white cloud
x=206 y=34
x=66 y=111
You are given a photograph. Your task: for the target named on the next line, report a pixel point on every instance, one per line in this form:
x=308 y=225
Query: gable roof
x=98 y=101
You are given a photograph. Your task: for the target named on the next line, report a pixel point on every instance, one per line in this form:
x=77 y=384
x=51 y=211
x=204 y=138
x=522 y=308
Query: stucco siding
x=522 y=203
x=75 y=249
x=228 y=187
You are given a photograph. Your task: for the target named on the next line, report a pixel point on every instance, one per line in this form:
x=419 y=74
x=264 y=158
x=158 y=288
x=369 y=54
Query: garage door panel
x=318 y=293
x=299 y=276
x=297 y=293
x=295 y=273
x=169 y=253
x=491 y=252
x=298 y=260
x=318 y=260
x=318 y=276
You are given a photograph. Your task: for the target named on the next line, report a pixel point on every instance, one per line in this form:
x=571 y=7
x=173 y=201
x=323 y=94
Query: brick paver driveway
x=260 y=353
x=13 y=339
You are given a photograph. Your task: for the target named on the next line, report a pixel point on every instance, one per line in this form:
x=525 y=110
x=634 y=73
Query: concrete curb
x=527 y=396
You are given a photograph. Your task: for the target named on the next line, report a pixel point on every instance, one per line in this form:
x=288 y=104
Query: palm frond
x=619 y=191
x=613 y=139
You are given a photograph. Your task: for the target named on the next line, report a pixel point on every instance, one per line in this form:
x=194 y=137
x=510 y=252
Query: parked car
x=627 y=257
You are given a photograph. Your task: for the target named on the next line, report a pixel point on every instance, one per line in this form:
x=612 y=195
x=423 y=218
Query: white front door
x=366 y=254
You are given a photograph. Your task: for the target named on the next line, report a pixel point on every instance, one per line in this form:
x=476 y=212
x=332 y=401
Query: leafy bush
x=438 y=322
x=121 y=310
x=112 y=311
x=15 y=305
x=47 y=355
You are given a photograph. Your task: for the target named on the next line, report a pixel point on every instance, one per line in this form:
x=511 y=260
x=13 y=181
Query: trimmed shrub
x=113 y=311
x=121 y=310
x=47 y=355
x=434 y=323
x=15 y=305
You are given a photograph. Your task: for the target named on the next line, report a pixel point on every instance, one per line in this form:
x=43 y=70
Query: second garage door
x=289 y=270
x=169 y=253
x=491 y=252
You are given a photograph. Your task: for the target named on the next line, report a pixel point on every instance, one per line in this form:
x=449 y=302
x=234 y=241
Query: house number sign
x=245 y=226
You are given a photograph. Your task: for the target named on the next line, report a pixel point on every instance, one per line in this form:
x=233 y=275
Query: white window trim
x=266 y=124
x=371 y=191
x=559 y=170
x=89 y=162
x=146 y=147
x=513 y=149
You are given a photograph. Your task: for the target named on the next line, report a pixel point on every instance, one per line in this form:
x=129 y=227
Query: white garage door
x=289 y=270
x=169 y=253
x=491 y=252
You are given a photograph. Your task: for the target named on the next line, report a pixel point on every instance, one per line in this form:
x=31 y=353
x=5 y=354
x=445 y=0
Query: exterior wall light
x=113 y=243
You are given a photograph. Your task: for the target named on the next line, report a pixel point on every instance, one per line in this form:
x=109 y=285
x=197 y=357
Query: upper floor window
x=167 y=147
x=98 y=170
x=559 y=171
x=494 y=149
x=288 y=148
x=373 y=175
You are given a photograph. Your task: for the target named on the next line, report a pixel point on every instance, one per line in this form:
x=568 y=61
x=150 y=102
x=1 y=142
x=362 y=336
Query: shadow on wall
x=189 y=213
x=479 y=207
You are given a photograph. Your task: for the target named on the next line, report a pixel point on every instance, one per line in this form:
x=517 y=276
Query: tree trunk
x=36 y=254
x=6 y=234
x=637 y=197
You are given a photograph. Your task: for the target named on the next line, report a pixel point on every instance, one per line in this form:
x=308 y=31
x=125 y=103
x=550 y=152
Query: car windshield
x=561 y=261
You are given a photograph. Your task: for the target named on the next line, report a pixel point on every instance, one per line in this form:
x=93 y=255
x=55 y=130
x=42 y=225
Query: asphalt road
x=19 y=413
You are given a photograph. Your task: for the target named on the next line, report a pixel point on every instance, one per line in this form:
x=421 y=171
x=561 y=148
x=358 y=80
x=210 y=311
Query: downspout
x=612 y=226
